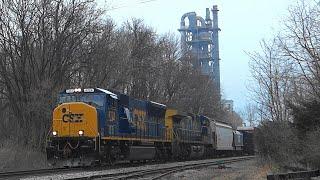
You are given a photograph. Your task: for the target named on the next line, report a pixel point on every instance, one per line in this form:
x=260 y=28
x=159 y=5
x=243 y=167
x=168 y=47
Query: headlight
x=81 y=133
x=54 y=133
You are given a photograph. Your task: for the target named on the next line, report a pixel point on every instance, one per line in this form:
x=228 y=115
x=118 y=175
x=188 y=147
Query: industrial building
x=201 y=37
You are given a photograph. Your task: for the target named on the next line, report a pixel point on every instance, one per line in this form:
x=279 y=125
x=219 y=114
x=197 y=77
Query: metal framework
x=201 y=37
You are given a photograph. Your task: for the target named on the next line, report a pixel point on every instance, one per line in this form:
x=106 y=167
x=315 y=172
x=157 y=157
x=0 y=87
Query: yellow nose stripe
x=70 y=118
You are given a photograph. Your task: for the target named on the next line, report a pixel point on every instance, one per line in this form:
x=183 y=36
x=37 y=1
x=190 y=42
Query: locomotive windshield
x=91 y=99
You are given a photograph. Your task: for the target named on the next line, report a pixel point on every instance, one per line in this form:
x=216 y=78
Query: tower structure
x=201 y=37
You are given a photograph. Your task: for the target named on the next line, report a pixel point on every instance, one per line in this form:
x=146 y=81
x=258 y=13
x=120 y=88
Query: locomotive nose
x=75 y=119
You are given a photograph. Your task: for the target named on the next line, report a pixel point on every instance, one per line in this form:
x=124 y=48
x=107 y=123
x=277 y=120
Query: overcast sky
x=243 y=24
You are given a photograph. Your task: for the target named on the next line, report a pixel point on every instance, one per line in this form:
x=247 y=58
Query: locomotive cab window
x=95 y=100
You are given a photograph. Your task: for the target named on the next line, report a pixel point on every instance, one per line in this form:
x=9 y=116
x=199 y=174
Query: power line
x=124 y=6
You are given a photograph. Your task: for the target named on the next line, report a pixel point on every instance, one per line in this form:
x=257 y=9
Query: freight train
x=96 y=126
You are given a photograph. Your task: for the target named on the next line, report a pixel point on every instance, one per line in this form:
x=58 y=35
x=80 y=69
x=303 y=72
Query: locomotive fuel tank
x=197 y=151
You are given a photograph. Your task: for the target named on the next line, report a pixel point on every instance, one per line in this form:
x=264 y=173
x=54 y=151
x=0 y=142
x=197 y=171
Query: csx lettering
x=72 y=118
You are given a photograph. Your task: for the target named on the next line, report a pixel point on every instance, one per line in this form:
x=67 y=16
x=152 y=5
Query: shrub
x=277 y=141
x=311 y=149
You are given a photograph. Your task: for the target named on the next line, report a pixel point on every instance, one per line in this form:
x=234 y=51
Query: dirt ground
x=246 y=170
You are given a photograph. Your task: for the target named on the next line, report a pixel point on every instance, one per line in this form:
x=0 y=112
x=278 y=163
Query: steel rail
x=162 y=171
x=22 y=173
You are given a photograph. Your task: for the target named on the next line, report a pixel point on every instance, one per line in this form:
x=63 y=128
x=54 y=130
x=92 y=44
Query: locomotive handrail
x=176 y=135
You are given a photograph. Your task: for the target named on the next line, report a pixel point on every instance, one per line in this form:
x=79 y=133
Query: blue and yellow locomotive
x=94 y=125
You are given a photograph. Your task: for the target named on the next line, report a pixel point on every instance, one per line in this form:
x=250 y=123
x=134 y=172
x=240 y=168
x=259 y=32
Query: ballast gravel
x=85 y=174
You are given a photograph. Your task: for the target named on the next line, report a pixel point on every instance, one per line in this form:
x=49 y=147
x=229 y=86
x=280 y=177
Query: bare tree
x=46 y=46
x=251 y=114
x=300 y=44
x=39 y=46
x=287 y=79
x=272 y=76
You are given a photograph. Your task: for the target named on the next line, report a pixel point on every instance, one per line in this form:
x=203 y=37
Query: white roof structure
x=114 y=96
x=158 y=103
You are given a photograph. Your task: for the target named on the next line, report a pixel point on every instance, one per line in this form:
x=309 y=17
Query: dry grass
x=13 y=157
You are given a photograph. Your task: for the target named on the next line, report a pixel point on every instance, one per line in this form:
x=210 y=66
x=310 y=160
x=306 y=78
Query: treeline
x=287 y=90
x=50 y=45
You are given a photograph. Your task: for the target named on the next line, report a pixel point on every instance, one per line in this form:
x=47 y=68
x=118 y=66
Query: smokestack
x=207 y=14
x=215 y=39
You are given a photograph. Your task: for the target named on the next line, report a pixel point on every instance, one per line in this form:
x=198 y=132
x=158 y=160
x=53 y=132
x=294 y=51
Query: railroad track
x=158 y=173
x=11 y=174
x=35 y=172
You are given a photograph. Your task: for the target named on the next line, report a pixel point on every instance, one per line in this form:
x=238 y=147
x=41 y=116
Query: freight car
x=226 y=141
x=94 y=126
x=248 y=140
